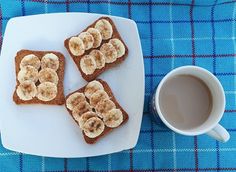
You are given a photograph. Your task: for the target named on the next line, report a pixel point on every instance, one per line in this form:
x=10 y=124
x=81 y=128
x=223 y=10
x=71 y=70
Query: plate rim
x=133 y=142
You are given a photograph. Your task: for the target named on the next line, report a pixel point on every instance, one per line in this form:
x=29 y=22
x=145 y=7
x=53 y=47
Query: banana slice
x=26 y=90
x=93 y=127
x=88 y=64
x=98 y=96
x=47 y=91
x=74 y=99
x=109 y=52
x=105 y=28
x=48 y=75
x=96 y=36
x=99 y=58
x=84 y=117
x=104 y=106
x=113 y=118
x=76 y=46
x=31 y=60
x=92 y=87
x=87 y=39
x=50 y=60
x=119 y=46
x=27 y=73
x=81 y=108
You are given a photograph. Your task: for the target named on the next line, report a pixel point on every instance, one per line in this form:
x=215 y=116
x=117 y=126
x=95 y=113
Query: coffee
x=185 y=101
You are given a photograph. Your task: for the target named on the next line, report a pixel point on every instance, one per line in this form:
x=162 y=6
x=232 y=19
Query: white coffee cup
x=210 y=126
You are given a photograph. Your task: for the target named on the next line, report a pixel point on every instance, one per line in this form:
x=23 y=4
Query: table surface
x=173 y=33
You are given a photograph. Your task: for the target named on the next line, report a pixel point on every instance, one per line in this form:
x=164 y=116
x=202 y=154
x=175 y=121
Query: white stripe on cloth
x=172 y=39
x=183 y=150
x=109 y=162
x=172 y=67
x=45 y=6
x=43 y=164
x=230 y=92
x=174 y=151
x=109 y=7
x=9 y=154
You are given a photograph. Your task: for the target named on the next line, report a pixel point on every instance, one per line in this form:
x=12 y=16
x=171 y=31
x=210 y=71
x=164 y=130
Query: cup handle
x=219 y=133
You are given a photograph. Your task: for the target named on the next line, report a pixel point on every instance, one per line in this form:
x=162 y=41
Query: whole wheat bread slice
x=60 y=98
x=107 y=130
x=107 y=66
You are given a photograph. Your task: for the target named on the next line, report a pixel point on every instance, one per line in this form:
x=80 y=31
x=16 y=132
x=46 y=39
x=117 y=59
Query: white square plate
x=49 y=130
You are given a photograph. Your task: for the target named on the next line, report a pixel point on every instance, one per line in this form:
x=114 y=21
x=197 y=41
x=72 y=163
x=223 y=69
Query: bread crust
x=107 y=130
x=60 y=98
x=107 y=66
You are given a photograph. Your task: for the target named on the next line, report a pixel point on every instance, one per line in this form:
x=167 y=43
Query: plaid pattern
x=173 y=33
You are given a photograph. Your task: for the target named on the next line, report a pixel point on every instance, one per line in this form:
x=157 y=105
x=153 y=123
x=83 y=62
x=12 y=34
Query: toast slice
x=77 y=117
x=98 y=71
x=57 y=98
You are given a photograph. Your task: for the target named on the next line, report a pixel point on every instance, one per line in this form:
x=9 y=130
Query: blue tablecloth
x=173 y=33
